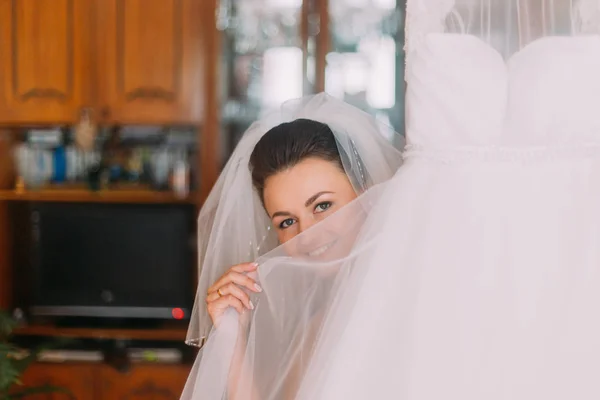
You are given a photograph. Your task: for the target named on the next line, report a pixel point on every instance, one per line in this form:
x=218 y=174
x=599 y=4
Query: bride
x=474 y=271
x=292 y=170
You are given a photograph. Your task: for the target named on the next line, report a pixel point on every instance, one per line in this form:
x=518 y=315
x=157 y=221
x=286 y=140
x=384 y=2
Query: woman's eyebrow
x=314 y=198
x=281 y=214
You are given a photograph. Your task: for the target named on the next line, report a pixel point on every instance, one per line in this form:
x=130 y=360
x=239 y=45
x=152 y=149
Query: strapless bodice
x=461 y=92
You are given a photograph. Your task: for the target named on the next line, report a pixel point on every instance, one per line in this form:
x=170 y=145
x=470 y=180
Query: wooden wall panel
x=6 y=182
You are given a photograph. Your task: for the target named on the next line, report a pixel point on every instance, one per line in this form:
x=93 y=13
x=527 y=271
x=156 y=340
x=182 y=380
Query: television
x=113 y=261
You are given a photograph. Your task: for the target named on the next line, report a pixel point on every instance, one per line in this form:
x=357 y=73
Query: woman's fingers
x=246 y=267
x=230 y=289
x=238 y=276
x=240 y=268
x=216 y=309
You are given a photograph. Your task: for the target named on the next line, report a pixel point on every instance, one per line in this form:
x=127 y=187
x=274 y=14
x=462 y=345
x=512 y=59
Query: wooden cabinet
x=149 y=60
x=130 y=61
x=44 y=59
x=78 y=378
x=102 y=382
x=144 y=382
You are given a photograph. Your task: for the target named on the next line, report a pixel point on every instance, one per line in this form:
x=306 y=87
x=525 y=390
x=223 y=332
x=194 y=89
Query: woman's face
x=303 y=195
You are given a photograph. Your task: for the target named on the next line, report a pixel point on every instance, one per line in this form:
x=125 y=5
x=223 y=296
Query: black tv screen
x=112 y=260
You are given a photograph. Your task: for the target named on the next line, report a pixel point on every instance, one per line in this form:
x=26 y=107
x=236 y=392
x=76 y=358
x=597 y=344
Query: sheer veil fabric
x=482 y=282
x=263 y=353
x=507 y=26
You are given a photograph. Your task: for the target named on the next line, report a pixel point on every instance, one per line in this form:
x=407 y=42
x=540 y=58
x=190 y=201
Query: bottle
x=181 y=174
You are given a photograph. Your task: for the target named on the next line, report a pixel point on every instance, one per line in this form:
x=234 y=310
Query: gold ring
x=219 y=292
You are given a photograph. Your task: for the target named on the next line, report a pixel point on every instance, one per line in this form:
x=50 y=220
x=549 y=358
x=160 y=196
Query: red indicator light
x=177 y=313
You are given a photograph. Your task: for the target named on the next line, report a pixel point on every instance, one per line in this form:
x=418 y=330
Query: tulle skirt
x=471 y=278
x=485 y=285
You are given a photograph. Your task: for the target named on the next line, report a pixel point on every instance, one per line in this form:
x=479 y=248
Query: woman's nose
x=305 y=224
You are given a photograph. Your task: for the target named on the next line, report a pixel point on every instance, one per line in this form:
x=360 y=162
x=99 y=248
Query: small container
x=181 y=176
x=60 y=164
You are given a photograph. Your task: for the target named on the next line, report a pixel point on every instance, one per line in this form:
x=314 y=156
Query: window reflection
x=282 y=76
x=365 y=65
x=266 y=60
x=262 y=61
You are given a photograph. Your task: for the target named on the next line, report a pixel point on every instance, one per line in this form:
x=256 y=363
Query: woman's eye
x=323 y=206
x=286 y=223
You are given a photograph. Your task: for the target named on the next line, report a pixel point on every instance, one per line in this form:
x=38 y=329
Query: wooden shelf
x=165 y=333
x=103 y=196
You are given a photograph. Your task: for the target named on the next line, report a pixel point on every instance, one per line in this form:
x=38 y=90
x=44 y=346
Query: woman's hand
x=228 y=291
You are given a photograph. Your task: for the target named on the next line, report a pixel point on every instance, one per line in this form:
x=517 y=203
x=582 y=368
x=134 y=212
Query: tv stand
x=167 y=332
x=117 y=376
x=108 y=323
x=102 y=381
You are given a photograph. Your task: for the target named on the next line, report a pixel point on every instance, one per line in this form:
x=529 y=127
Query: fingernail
x=255 y=264
x=251 y=305
x=257 y=287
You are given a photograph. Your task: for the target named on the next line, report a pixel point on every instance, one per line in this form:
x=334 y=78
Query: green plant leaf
x=22 y=364
x=7 y=324
x=8 y=377
x=12 y=368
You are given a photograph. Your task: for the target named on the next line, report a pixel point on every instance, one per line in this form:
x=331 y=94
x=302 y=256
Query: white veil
x=429 y=313
x=508 y=26
x=274 y=341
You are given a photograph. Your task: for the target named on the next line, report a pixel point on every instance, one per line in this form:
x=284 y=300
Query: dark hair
x=287 y=144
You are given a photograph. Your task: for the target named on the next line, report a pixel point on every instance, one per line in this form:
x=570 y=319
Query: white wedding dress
x=486 y=284
x=476 y=274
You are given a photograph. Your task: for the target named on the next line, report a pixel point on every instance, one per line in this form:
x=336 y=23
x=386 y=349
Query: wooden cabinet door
x=77 y=378
x=150 y=54
x=44 y=60
x=144 y=382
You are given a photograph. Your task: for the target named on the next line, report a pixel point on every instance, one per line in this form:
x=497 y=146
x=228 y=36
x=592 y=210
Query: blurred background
x=275 y=50
x=116 y=117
